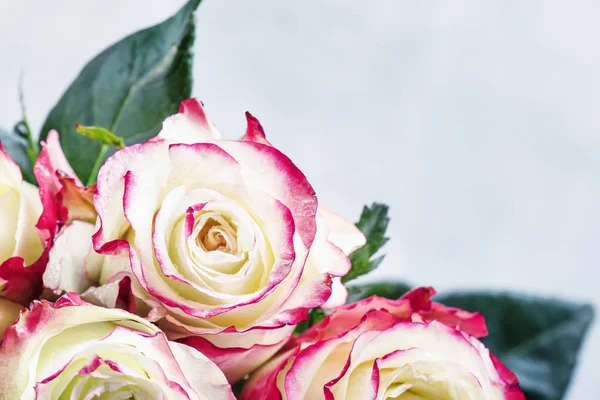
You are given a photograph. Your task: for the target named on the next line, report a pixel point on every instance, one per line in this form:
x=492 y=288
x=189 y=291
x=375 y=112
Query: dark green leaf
x=101 y=135
x=373 y=223
x=314 y=315
x=130 y=88
x=17 y=147
x=538 y=339
x=389 y=290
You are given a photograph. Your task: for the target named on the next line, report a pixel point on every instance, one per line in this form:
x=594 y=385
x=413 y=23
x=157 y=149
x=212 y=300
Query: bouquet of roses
x=143 y=256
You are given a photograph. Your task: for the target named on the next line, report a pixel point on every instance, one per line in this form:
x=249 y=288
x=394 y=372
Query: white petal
x=28 y=242
x=343 y=233
x=189 y=126
x=339 y=294
x=66 y=265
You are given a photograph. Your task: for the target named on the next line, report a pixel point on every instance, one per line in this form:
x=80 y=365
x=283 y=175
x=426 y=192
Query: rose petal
x=78 y=200
x=9 y=170
x=143 y=163
x=189 y=126
x=66 y=266
x=235 y=362
x=471 y=323
x=260 y=384
x=339 y=295
x=21 y=283
x=20 y=209
x=211 y=383
x=272 y=172
x=254 y=131
x=53 y=160
x=342 y=233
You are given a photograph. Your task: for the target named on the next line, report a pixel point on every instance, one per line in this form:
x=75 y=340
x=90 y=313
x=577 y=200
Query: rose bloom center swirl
x=213 y=245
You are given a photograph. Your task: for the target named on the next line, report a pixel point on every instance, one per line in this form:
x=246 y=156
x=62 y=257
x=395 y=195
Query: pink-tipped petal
x=254 y=131
x=46 y=170
x=261 y=383
x=143 y=162
x=469 y=322
x=270 y=171
x=419 y=298
x=189 y=126
x=235 y=362
x=343 y=233
x=52 y=164
x=60 y=185
x=426 y=310
x=511 y=388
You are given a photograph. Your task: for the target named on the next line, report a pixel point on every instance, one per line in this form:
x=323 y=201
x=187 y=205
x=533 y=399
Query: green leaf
x=538 y=339
x=18 y=148
x=389 y=290
x=130 y=88
x=314 y=315
x=101 y=135
x=373 y=223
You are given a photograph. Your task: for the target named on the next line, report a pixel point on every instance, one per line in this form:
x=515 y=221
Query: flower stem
x=97 y=164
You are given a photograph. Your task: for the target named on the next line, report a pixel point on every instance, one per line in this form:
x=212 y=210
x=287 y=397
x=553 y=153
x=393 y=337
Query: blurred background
x=477 y=123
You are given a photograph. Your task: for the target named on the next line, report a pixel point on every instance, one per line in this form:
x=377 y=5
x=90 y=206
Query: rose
x=214 y=236
x=335 y=237
x=72 y=349
x=379 y=348
x=26 y=232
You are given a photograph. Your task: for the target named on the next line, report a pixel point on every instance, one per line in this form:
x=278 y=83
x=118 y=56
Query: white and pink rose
x=409 y=348
x=74 y=350
x=223 y=241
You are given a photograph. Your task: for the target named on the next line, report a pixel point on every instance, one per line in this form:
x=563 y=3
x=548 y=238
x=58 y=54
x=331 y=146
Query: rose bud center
x=218 y=235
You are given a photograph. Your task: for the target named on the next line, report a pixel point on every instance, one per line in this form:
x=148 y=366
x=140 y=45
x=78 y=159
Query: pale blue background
x=478 y=122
